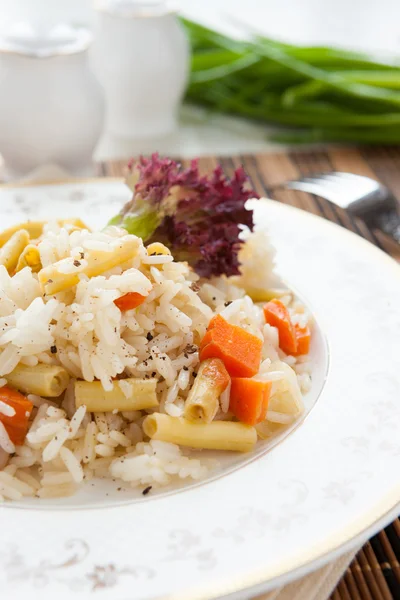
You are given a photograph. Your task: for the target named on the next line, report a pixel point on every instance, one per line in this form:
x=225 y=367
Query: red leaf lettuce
x=198 y=217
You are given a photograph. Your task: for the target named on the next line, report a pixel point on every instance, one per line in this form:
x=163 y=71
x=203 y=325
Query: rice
x=5 y=442
x=6 y=409
x=94 y=340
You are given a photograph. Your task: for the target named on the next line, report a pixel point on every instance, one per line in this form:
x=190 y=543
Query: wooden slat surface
x=375 y=572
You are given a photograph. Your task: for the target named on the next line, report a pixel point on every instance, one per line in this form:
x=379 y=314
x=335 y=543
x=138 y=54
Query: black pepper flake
x=119 y=489
x=82 y=254
x=149 y=337
x=185 y=368
x=150 y=357
x=153 y=374
x=145 y=363
x=77 y=263
x=49 y=281
x=153 y=254
x=194 y=374
x=53 y=349
x=214 y=298
x=147 y=490
x=228 y=303
x=191 y=349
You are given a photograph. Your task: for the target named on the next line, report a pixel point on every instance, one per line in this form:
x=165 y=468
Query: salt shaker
x=141 y=57
x=51 y=105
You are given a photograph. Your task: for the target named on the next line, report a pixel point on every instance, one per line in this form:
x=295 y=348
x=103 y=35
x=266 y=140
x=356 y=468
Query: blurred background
x=231 y=77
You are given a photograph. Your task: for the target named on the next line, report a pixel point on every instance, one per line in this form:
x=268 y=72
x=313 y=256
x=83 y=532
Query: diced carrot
x=239 y=350
x=216 y=372
x=277 y=315
x=206 y=340
x=16 y=425
x=129 y=301
x=303 y=337
x=249 y=399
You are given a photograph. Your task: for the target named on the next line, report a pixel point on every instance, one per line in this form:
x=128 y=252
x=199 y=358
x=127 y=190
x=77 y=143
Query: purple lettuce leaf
x=198 y=217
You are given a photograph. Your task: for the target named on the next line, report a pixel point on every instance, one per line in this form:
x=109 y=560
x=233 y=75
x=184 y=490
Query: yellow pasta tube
x=158 y=248
x=127 y=394
x=30 y=257
x=65 y=273
x=35 y=228
x=49 y=381
x=12 y=249
x=218 y=435
x=203 y=400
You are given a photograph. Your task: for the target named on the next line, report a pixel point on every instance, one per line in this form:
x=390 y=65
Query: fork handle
x=388 y=221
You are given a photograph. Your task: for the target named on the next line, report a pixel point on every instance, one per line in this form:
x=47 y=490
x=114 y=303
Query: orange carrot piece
x=303 y=337
x=277 y=315
x=17 y=425
x=129 y=301
x=216 y=371
x=206 y=340
x=249 y=399
x=239 y=350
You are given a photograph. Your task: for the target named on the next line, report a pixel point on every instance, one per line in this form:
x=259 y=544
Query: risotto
x=115 y=358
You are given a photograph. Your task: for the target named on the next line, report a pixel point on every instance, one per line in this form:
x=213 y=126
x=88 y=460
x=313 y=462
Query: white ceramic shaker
x=51 y=105
x=141 y=57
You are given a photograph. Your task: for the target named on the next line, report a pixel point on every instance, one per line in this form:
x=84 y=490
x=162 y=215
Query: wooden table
x=375 y=572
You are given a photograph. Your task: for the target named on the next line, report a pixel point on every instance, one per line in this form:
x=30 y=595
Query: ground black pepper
x=53 y=349
x=147 y=490
x=191 y=349
x=77 y=263
x=149 y=337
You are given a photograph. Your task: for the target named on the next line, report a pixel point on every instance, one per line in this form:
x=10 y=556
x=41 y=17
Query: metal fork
x=361 y=196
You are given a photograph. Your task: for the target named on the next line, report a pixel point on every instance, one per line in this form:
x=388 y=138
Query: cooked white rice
x=82 y=330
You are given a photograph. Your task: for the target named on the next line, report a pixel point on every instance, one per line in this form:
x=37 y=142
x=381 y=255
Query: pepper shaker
x=51 y=105
x=141 y=57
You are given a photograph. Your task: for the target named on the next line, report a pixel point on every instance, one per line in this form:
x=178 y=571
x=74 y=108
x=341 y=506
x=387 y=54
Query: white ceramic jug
x=141 y=57
x=51 y=105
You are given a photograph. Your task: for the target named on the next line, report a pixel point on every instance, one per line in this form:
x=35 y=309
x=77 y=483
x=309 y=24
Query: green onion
x=320 y=94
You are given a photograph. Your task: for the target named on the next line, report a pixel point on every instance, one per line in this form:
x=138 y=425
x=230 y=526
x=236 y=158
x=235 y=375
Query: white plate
x=328 y=486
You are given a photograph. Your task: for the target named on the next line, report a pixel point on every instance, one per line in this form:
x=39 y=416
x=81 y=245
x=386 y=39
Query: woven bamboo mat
x=375 y=572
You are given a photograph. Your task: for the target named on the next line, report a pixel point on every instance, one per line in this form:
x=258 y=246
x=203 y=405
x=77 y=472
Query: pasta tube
x=158 y=248
x=12 y=249
x=49 y=381
x=218 y=435
x=127 y=394
x=30 y=257
x=203 y=400
x=65 y=273
x=35 y=228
